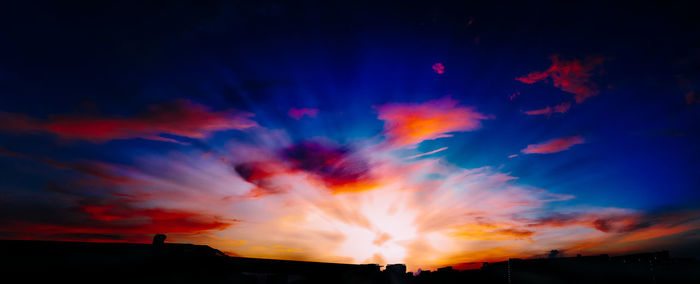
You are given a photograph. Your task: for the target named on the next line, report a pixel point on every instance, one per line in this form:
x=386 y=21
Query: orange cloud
x=261 y=174
x=548 y=111
x=181 y=117
x=572 y=76
x=554 y=145
x=410 y=124
x=492 y=232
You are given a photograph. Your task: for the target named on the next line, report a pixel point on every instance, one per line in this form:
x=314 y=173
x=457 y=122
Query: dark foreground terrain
x=76 y=262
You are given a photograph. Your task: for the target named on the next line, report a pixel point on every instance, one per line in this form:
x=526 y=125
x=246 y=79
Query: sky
x=428 y=133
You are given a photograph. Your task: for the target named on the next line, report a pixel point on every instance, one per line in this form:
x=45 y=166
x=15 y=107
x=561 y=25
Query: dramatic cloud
x=410 y=124
x=281 y=201
x=262 y=175
x=572 y=76
x=319 y=200
x=338 y=167
x=181 y=117
x=554 y=145
x=548 y=111
x=298 y=113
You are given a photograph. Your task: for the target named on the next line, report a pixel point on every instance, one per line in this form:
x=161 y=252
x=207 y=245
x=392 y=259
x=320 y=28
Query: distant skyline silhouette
x=78 y=262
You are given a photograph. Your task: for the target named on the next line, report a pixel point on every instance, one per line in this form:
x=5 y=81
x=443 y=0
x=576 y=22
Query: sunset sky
x=428 y=134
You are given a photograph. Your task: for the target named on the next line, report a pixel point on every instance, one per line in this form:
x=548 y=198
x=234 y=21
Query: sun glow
x=385 y=224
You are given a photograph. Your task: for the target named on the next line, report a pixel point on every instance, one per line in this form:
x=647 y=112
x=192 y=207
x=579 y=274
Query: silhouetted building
x=159 y=239
x=396 y=274
x=74 y=262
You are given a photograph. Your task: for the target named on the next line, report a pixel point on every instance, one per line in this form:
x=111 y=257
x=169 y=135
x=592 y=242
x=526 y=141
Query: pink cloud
x=298 y=113
x=572 y=76
x=439 y=68
x=554 y=145
x=410 y=124
x=560 y=108
x=181 y=117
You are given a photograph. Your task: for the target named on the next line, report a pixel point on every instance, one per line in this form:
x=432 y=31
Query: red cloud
x=439 y=68
x=121 y=218
x=570 y=76
x=181 y=117
x=409 y=124
x=554 y=145
x=560 y=108
x=114 y=220
x=298 y=113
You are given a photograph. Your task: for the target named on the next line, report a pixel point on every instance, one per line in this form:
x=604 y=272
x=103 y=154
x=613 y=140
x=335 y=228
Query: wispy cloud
x=548 y=111
x=554 y=145
x=298 y=113
x=573 y=76
x=180 y=117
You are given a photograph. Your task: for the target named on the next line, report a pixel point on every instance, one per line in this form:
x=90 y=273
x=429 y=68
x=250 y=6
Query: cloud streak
x=554 y=145
x=180 y=117
x=548 y=111
x=299 y=113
